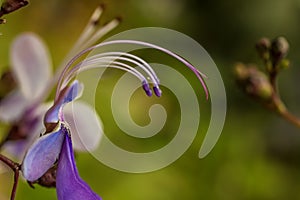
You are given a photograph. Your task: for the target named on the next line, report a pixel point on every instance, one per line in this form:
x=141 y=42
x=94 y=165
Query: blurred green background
x=258 y=154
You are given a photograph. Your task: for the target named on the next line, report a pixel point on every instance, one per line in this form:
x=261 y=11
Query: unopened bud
x=253 y=82
x=279 y=49
x=9 y=6
x=263 y=48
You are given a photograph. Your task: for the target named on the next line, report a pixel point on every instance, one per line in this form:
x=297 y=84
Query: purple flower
x=45 y=150
x=54 y=149
x=56 y=146
x=24 y=109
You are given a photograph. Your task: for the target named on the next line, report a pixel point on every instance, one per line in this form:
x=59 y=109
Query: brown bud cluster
x=273 y=53
x=279 y=49
x=263 y=48
x=253 y=82
x=9 y=6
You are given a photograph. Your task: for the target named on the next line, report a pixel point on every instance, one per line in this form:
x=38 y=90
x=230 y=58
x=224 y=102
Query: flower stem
x=278 y=103
x=291 y=118
x=283 y=111
x=15 y=167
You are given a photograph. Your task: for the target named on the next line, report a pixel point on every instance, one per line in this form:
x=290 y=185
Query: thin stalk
x=15 y=167
x=278 y=103
x=283 y=111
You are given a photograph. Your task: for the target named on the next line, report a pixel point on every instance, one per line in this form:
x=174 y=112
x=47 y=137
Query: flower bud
x=263 y=48
x=253 y=82
x=279 y=49
x=9 y=6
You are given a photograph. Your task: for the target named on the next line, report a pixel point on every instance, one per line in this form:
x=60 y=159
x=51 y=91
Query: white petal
x=86 y=126
x=31 y=64
x=12 y=106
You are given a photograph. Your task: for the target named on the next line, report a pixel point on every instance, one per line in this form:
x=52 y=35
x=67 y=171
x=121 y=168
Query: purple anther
x=157 y=91
x=147 y=89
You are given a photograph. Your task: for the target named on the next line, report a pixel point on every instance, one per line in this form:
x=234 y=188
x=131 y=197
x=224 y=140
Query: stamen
x=155 y=88
x=90 y=64
x=101 y=32
x=97 y=14
x=182 y=60
x=144 y=65
x=147 y=89
x=83 y=66
x=101 y=60
x=88 y=37
x=157 y=91
x=88 y=30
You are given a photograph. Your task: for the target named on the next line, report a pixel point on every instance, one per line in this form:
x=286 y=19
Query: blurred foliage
x=257 y=156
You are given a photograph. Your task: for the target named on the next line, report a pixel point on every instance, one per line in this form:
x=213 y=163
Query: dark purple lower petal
x=69 y=186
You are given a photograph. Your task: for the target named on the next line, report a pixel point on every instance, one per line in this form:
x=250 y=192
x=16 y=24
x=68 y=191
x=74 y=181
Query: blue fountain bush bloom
x=43 y=156
x=64 y=124
x=57 y=145
x=31 y=67
x=44 y=152
x=26 y=110
x=24 y=107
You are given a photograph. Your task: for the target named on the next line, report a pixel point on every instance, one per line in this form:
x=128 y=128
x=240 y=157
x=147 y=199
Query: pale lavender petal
x=31 y=64
x=67 y=95
x=12 y=106
x=69 y=186
x=42 y=155
x=85 y=125
x=18 y=148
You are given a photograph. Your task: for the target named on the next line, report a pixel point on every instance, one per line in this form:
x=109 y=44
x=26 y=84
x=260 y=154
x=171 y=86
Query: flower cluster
x=263 y=84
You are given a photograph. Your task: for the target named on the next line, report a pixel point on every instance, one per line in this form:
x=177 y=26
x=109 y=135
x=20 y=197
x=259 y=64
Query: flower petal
x=12 y=106
x=17 y=148
x=42 y=155
x=85 y=125
x=67 y=95
x=74 y=92
x=69 y=186
x=31 y=64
